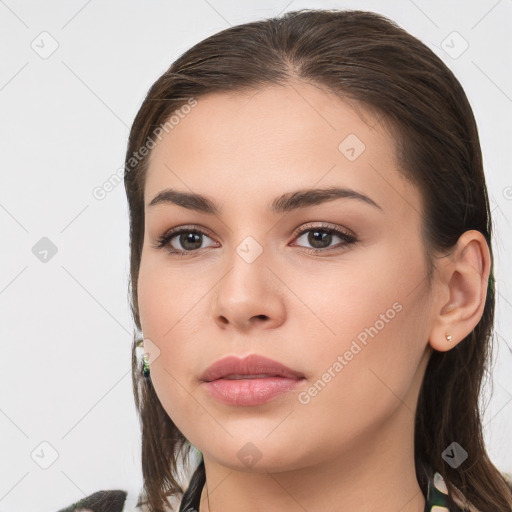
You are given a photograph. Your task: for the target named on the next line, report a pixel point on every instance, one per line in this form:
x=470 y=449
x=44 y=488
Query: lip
x=248 y=391
x=253 y=364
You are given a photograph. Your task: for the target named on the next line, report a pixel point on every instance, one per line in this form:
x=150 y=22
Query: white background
x=65 y=324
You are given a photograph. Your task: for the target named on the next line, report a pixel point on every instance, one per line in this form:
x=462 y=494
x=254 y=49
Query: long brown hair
x=367 y=59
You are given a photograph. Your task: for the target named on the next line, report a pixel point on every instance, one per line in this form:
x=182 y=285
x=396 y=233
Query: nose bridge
x=246 y=277
x=246 y=290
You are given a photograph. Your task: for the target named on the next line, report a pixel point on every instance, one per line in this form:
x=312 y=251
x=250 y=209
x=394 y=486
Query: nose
x=249 y=296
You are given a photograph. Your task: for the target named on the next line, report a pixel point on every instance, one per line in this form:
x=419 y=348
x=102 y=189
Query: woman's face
x=353 y=318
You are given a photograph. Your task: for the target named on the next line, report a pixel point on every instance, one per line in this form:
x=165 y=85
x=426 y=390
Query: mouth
x=250 y=381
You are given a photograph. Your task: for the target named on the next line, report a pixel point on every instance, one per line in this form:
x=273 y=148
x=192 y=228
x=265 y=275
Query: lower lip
x=250 y=391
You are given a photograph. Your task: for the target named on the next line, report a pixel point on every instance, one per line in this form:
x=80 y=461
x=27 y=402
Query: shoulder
x=105 y=501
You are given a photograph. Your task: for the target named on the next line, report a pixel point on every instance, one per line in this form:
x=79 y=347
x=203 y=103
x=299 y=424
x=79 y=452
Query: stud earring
x=448 y=337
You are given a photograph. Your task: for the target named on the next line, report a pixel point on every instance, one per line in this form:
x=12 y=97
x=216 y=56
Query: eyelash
x=165 y=239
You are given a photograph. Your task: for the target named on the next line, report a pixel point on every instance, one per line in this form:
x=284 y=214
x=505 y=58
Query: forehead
x=275 y=139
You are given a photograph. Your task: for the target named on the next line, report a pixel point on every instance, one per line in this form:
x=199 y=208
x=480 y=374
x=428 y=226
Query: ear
x=462 y=287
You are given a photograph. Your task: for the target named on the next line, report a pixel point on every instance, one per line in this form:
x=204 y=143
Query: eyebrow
x=282 y=204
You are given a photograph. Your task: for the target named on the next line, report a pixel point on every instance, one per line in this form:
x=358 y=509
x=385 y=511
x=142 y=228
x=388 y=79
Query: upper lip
x=253 y=364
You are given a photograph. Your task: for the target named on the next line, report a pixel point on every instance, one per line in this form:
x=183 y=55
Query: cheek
x=166 y=296
x=165 y=320
x=361 y=378
x=378 y=342
x=169 y=320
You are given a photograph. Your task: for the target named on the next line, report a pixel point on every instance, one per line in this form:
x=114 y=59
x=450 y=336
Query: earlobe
x=443 y=341
x=464 y=279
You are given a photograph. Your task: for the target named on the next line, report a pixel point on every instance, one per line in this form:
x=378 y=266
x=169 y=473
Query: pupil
x=192 y=238
x=319 y=236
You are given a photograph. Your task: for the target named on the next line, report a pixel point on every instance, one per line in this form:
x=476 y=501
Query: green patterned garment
x=437 y=497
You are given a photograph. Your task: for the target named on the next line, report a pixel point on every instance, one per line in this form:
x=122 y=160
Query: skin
x=351 y=447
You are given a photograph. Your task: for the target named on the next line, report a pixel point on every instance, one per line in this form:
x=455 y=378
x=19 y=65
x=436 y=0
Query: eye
x=320 y=237
x=188 y=238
